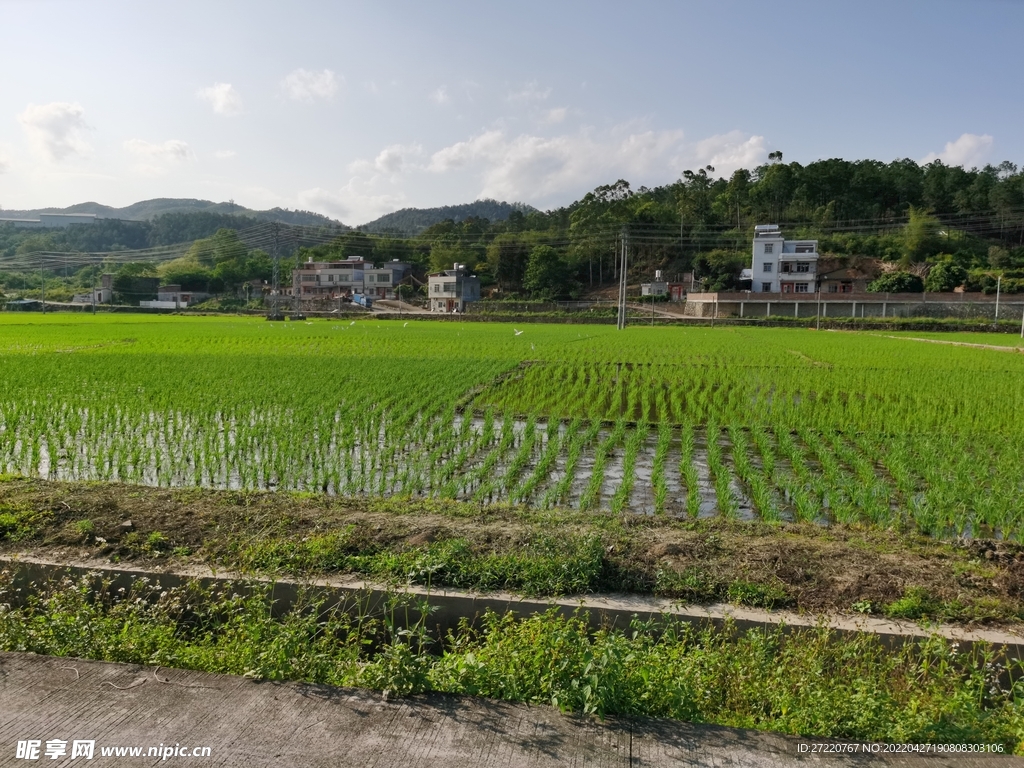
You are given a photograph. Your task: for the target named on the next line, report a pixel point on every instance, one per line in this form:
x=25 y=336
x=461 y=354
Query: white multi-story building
x=448 y=291
x=780 y=265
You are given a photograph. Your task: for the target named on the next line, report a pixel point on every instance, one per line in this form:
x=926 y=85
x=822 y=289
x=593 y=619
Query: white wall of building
x=782 y=266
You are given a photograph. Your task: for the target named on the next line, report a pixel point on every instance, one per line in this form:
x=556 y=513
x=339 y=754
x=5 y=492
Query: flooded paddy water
x=467 y=457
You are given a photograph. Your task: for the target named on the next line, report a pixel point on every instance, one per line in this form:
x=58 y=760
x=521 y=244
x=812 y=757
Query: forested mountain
x=149 y=209
x=412 y=221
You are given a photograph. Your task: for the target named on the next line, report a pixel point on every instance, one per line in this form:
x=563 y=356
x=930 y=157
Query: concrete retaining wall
x=975 y=306
x=449 y=607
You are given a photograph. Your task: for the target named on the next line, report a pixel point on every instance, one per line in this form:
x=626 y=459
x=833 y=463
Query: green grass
x=808 y=682
x=544 y=565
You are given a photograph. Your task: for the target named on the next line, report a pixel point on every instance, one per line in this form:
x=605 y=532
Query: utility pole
x=999 y=281
x=42 y=284
x=622 y=280
x=275 y=289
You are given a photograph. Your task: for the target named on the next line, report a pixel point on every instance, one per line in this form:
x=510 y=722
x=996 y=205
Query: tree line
x=938 y=226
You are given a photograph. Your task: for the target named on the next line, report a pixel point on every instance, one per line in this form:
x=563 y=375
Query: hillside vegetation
x=931 y=227
x=147 y=210
x=412 y=221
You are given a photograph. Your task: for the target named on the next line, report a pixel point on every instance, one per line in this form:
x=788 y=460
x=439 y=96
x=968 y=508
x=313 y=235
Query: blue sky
x=357 y=109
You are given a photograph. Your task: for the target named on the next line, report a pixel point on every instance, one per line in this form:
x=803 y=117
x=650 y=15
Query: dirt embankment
x=804 y=567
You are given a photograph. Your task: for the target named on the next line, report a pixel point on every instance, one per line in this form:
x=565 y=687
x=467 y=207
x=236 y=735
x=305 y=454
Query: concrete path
x=255 y=724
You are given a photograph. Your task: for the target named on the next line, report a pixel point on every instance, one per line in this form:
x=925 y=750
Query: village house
x=329 y=279
x=847 y=275
x=345 y=277
x=448 y=291
x=95 y=296
x=381 y=282
x=780 y=265
x=173 y=294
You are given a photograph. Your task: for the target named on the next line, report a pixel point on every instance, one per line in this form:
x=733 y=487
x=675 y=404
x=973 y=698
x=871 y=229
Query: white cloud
x=729 y=151
x=530 y=92
x=55 y=129
x=156 y=159
x=223 y=97
x=5 y=163
x=225 y=154
x=303 y=85
x=440 y=96
x=391 y=160
x=171 y=151
x=970 y=151
x=556 y=115
x=394 y=159
x=532 y=167
x=543 y=169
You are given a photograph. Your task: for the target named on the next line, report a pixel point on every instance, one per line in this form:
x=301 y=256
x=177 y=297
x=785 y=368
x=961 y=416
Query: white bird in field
x=405 y=323
x=532 y=346
x=353 y=322
x=518 y=333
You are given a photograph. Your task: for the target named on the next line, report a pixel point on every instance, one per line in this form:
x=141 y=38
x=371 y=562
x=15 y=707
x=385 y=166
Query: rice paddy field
x=745 y=423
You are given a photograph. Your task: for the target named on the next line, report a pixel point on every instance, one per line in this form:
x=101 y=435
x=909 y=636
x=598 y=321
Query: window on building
x=769 y=247
x=833 y=288
x=369 y=278
x=803 y=266
x=804 y=248
x=766 y=287
x=801 y=287
x=767 y=267
x=449 y=287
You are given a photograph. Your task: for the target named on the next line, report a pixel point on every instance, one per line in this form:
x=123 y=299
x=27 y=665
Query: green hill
x=147 y=210
x=412 y=221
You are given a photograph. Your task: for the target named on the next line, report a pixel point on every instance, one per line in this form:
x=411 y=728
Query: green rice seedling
x=592 y=495
x=633 y=444
x=658 y=466
x=688 y=471
x=797 y=484
x=580 y=438
x=552 y=447
x=758 y=482
x=929 y=435
x=485 y=474
x=727 y=504
x=522 y=457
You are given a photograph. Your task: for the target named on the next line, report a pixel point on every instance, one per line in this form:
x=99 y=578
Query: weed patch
x=808 y=682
